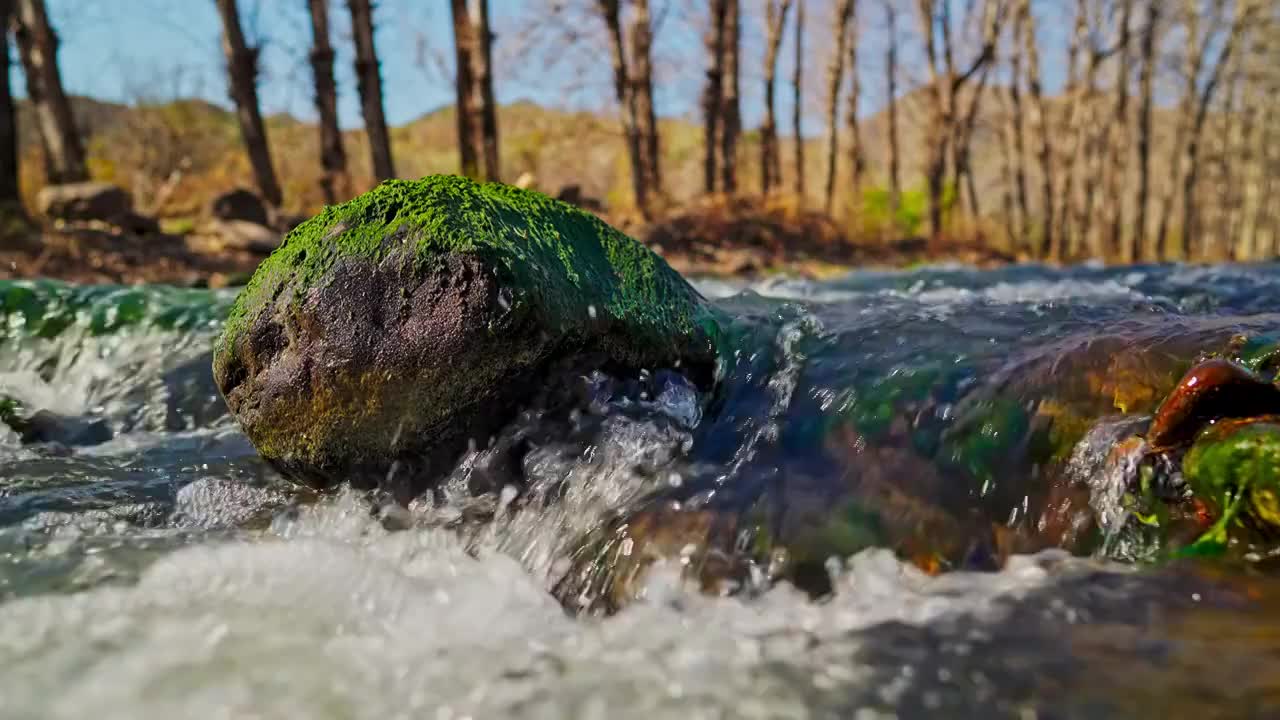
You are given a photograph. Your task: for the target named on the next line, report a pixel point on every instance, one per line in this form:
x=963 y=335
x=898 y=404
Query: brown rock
x=83 y=201
x=136 y=223
x=243 y=235
x=1211 y=391
x=239 y=204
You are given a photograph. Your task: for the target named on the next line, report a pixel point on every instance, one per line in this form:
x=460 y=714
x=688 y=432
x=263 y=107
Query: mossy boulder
x=1234 y=468
x=387 y=334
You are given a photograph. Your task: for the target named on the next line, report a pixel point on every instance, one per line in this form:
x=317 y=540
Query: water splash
x=166 y=571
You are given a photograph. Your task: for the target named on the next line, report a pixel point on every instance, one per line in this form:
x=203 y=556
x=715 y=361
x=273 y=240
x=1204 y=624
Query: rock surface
x=239 y=204
x=1234 y=468
x=242 y=235
x=83 y=201
x=387 y=334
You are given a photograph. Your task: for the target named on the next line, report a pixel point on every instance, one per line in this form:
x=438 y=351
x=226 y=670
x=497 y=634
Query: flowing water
x=152 y=566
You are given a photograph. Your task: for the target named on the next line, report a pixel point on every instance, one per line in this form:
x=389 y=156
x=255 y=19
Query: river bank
x=741 y=239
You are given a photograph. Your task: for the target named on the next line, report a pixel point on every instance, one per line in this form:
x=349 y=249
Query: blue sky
x=140 y=50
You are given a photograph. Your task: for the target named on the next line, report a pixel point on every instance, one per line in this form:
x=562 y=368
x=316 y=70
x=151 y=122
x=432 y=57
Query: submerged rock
x=40 y=427
x=387 y=334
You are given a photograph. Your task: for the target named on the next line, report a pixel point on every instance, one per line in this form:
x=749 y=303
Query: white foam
x=338 y=618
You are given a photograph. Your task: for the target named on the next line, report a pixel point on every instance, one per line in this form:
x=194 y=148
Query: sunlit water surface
x=152 y=567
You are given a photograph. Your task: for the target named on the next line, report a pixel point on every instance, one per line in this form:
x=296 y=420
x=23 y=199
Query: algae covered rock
x=1235 y=469
x=387 y=334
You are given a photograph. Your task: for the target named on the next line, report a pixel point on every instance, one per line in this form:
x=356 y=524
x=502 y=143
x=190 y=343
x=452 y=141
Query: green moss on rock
x=568 y=261
x=1235 y=470
x=386 y=333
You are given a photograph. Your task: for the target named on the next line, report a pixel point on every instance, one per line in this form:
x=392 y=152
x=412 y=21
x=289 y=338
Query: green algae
x=46 y=309
x=13 y=413
x=1261 y=354
x=1236 y=471
x=561 y=260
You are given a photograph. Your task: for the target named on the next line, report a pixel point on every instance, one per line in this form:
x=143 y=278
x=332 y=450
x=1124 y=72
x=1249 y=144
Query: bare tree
x=1015 y=140
x=1191 y=162
x=857 y=163
x=479 y=13
x=1118 y=144
x=473 y=78
x=1040 y=121
x=1075 y=99
x=946 y=80
x=1007 y=179
x=634 y=92
x=642 y=87
x=468 y=98
x=1217 y=222
x=797 y=88
x=1260 y=82
x=1146 y=91
x=242 y=70
x=333 y=156
x=38 y=50
x=962 y=140
x=835 y=79
x=712 y=107
x=10 y=200
x=770 y=164
x=731 y=113
x=369 y=84
x=1085 y=138
x=891 y=73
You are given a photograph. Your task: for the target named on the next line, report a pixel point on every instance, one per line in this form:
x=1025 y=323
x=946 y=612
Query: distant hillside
x=177 y=155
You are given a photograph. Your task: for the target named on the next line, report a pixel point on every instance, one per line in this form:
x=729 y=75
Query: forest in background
x=1162 y=143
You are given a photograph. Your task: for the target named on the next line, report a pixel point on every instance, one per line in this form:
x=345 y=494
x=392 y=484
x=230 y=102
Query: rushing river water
x=152 y=566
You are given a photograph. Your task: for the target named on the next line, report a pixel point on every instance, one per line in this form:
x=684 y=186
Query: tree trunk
x=946 y=81
x=1219 y=238
x=1006 y=177
x=1244 y=12
x=1265 y=219
x=1193 y=61
x=731 y=115
x=797 y=110
x=939 y=123
x=1090 y=139
x=34 y=94
x=711 y=96
x=891 y=71
x=1040 y=120
x=465 y=90
x=770 y=164
x=1095 y=139
x=242 y=68
x=333 y=156
x=857 y=163
x=482 y=46
x=38 y=48
x=1146 y=90
x=1015 y=130
x=961 y=145
x=610 y=12
x=642 y=86
x=835 y=78
x=1260 y=84
x=1118 y=145
x=1076 y=99
x=369 y=83
x=10 y=199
